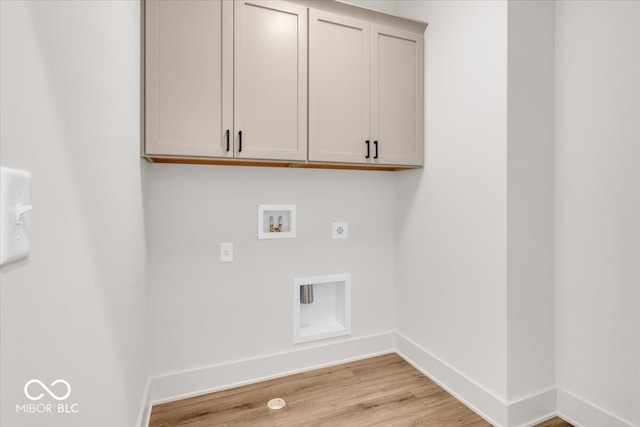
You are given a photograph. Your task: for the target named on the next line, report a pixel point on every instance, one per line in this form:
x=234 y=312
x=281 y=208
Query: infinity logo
x=52 y=394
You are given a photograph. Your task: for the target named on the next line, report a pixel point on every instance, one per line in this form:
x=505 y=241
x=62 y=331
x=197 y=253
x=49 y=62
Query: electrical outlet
x=226 y=252
x=339 y=230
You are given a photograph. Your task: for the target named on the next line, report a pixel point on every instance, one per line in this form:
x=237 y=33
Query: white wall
x=203 y=312
x=69 y=114
x=530 y=210
x=598 y=210
x=475 y=227
x=386 y=6
x=452 y=240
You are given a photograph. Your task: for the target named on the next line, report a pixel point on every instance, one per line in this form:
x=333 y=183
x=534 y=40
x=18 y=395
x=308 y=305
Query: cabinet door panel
x=184 y=78
x=339 y=94
x=270 y=96
x=397 y=96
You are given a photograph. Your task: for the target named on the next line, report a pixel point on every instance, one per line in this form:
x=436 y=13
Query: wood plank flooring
x=555 y=422
x=380 y=391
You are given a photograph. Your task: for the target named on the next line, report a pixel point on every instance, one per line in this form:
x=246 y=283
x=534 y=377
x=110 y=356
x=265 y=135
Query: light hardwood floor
x=380 y=391
x=555 y=422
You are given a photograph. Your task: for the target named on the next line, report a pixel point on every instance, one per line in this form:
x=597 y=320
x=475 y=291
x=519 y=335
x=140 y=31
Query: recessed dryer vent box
x=276 y=221
x=329 y=312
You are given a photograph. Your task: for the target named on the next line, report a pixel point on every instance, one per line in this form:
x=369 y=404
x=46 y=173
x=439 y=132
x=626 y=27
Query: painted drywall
x=598 y=210
x=475 y=227
x=530 y=198
x=386 y=6
x=204 y=313
x=75 y=309
x=451 y=230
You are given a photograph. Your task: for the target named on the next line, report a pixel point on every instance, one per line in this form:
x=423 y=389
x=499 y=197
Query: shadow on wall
x=88 y=251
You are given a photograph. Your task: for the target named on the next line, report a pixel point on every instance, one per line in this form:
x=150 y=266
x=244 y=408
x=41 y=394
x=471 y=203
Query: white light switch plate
x=339 y=230
x=15 y=214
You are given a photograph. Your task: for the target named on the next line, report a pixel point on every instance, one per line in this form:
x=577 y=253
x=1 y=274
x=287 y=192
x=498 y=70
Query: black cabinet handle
x=239 y=141
x=375 y=144
x=368 y=150
x=227 y=133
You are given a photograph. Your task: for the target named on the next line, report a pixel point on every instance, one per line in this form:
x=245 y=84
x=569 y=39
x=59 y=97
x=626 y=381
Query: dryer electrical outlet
x=339 y=230
x=226 y=252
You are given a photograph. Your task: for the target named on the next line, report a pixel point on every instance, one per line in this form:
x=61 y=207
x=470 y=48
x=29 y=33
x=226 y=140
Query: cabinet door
x=270 y=92
x=339 y=93
x=397 y=96
x=188 y=62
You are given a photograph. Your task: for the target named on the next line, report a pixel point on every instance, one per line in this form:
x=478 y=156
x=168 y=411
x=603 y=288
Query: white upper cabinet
x=397 y=100
x=186 y=111
x=339 y=87
x=225 y=83
x=365 y=92
x=270 y=60
x=291 y=83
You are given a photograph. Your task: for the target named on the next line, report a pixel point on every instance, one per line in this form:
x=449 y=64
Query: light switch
x=15 y=214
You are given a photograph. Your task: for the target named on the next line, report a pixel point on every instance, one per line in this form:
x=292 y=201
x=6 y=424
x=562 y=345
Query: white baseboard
x=533 y=409
x=581 y=413
x=144 y=413
x=480 y=400
x=195 y=382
